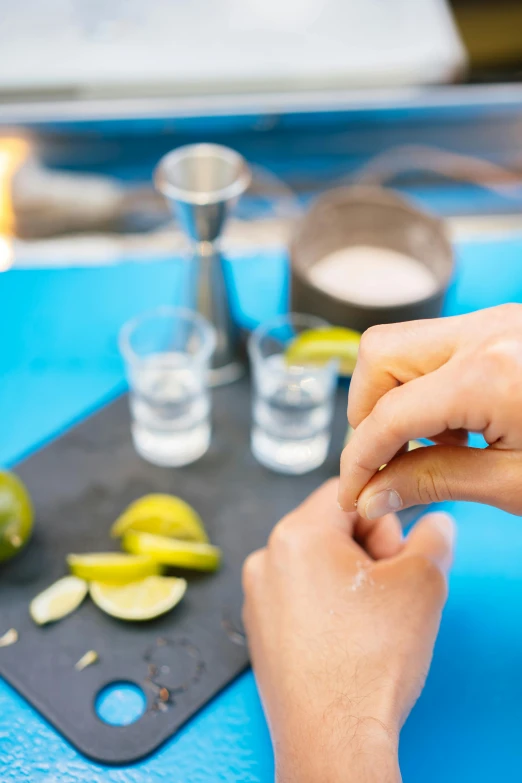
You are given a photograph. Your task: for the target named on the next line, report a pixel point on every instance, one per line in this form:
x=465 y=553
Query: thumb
x=438 y=473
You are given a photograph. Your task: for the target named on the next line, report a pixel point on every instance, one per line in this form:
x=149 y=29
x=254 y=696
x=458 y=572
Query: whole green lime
x=16 y=515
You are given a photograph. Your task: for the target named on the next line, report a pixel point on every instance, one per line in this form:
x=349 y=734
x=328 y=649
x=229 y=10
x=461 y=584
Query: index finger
x=419 y=409
x=321 y=509
x=393 y=354
x=379 y=538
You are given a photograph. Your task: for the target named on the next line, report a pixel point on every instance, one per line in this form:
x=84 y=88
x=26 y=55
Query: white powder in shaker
x=373 y=276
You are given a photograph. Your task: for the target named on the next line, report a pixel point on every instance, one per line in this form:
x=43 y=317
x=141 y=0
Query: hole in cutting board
x=120 y=703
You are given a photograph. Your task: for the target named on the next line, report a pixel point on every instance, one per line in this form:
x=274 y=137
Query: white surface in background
x=190 y=45
x=373 y=276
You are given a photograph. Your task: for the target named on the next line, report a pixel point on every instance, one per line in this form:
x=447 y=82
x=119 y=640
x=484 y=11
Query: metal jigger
x=201 y=183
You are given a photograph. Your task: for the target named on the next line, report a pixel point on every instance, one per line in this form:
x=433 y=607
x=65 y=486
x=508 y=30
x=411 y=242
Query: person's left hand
x=340 y=642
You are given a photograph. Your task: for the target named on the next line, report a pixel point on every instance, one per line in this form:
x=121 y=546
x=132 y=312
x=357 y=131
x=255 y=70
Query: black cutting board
x=79 y=484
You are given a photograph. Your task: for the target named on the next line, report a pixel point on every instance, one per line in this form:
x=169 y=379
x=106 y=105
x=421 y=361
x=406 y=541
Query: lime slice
x=141 y=600
x=112 y=567
x=319 y=346
x=163 y=515
x=171 y=551
x=58 y=600
x=16 y=515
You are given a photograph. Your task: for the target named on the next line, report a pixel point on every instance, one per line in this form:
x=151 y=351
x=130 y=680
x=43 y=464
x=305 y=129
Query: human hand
x=341 y=643
x=436 y=379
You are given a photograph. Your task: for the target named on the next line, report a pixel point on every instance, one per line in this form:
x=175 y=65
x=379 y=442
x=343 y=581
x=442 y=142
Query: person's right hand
x=436 y=379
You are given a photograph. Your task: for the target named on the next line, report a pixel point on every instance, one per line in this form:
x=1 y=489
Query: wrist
x=366 y=752
x=372 y=757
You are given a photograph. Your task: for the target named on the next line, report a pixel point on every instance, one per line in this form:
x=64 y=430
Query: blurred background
x=93 y=93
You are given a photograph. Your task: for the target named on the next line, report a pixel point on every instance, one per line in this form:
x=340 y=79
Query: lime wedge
x=58 y=600
x=16 y=515
x=171 y=551
x=319 y=346
x=141 y=600
x=112 y=567
x=163 y=515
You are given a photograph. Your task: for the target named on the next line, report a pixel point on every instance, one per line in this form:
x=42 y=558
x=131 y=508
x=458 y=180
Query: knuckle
x=289 y=538
x=509 y=311
x=282 y=536
x=372 y=341
x=499 y=354
x=252 y=570
x=502 y=363
x=494 y=320
x=345 y=459
x=386 y=416
x=432 y=485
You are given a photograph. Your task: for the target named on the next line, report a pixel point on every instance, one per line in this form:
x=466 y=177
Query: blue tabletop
x=59 y=360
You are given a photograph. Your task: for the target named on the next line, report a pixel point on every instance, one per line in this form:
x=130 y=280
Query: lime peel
x=169 y=551
x=16 y=515
x=112 y=567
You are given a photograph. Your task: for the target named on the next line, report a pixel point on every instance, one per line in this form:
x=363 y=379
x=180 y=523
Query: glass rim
x=280 y=320
x=190 y=196
x=206 y=329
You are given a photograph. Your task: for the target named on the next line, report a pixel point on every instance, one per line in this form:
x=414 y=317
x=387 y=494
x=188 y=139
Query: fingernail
x=382 y=503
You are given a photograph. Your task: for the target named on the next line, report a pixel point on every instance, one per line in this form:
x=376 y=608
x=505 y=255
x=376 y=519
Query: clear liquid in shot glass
x=292 y=412
x=170 y=408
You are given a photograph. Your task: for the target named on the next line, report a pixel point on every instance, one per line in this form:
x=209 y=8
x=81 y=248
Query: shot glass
x=292 y=405
x=167 y=353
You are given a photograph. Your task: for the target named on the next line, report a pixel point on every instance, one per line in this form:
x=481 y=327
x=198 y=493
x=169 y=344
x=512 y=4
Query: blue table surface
x=59 y=360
